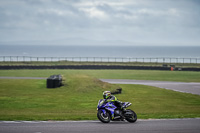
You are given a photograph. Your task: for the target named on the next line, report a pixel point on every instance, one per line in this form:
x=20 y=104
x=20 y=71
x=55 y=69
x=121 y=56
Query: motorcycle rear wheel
x=133 y=118
x=105 y=118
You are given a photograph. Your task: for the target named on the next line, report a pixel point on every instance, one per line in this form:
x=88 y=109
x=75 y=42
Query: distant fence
x=98 y=59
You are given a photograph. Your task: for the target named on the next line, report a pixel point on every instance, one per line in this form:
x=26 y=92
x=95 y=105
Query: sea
x=101 y=51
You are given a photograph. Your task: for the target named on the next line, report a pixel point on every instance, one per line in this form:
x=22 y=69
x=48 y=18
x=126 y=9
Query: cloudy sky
x=102 y=22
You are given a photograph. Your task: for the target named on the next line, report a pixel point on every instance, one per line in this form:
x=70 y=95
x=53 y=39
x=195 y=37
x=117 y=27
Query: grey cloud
x=128 y=20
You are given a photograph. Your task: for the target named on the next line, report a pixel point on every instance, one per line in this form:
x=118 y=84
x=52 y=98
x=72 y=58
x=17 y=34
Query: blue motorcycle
x=108 y=111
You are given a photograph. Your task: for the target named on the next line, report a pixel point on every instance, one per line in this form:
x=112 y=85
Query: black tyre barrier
x=96 y=67
x=54 y=81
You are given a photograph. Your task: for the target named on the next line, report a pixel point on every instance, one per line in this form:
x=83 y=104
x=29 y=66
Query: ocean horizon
x=101 y=51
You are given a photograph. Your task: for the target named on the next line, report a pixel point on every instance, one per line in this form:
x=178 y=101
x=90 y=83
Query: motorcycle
x=107 y=111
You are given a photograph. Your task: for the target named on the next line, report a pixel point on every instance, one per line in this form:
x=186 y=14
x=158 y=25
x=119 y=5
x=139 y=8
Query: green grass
x=31 y=100
x=152 y=102
x=77 y=100
x=46 y=63
x=184 y=76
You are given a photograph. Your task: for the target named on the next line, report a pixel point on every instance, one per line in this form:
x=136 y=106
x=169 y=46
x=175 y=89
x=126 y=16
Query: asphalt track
x=141 y=126
x=186 y=87
x=22 y=78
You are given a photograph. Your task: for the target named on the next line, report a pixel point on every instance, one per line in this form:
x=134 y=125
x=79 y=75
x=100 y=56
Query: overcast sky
x=115 y=22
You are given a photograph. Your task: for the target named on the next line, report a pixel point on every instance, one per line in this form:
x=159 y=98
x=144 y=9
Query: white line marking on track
x=91 y=121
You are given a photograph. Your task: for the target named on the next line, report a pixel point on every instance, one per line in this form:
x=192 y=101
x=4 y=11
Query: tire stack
x=54 y=81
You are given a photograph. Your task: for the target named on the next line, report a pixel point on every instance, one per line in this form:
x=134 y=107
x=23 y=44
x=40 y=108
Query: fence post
x=102 y=59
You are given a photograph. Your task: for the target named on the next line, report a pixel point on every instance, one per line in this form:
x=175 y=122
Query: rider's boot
x=121 y=114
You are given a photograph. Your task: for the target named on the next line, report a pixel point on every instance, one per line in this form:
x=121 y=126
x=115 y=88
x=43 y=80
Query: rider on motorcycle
x=111 y=98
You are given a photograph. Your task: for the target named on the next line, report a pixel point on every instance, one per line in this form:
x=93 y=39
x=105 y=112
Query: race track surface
x=141 y=126
x=187 y=87
x=22 y=78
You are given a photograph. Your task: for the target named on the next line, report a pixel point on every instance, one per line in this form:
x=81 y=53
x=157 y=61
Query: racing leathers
x=115 y=101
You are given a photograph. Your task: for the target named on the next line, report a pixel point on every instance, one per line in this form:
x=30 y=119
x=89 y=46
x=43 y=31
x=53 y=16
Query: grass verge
x=184 y=76
x=54 y=63
x=77 y=100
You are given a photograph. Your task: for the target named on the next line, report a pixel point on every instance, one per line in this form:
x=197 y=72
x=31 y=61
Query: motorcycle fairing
x=111 y=107
x=108 y=106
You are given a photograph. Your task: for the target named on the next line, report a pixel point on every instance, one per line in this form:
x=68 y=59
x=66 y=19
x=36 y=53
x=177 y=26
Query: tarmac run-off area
x=186 y=87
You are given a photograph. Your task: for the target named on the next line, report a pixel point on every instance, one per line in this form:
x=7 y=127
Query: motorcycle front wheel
x=132 y=118
x=105 y=118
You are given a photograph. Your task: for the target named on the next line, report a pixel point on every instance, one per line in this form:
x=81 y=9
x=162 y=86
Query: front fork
x=112 y=114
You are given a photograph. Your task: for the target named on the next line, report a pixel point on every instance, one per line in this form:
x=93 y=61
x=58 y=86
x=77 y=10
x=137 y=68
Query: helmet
x=106 y=94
